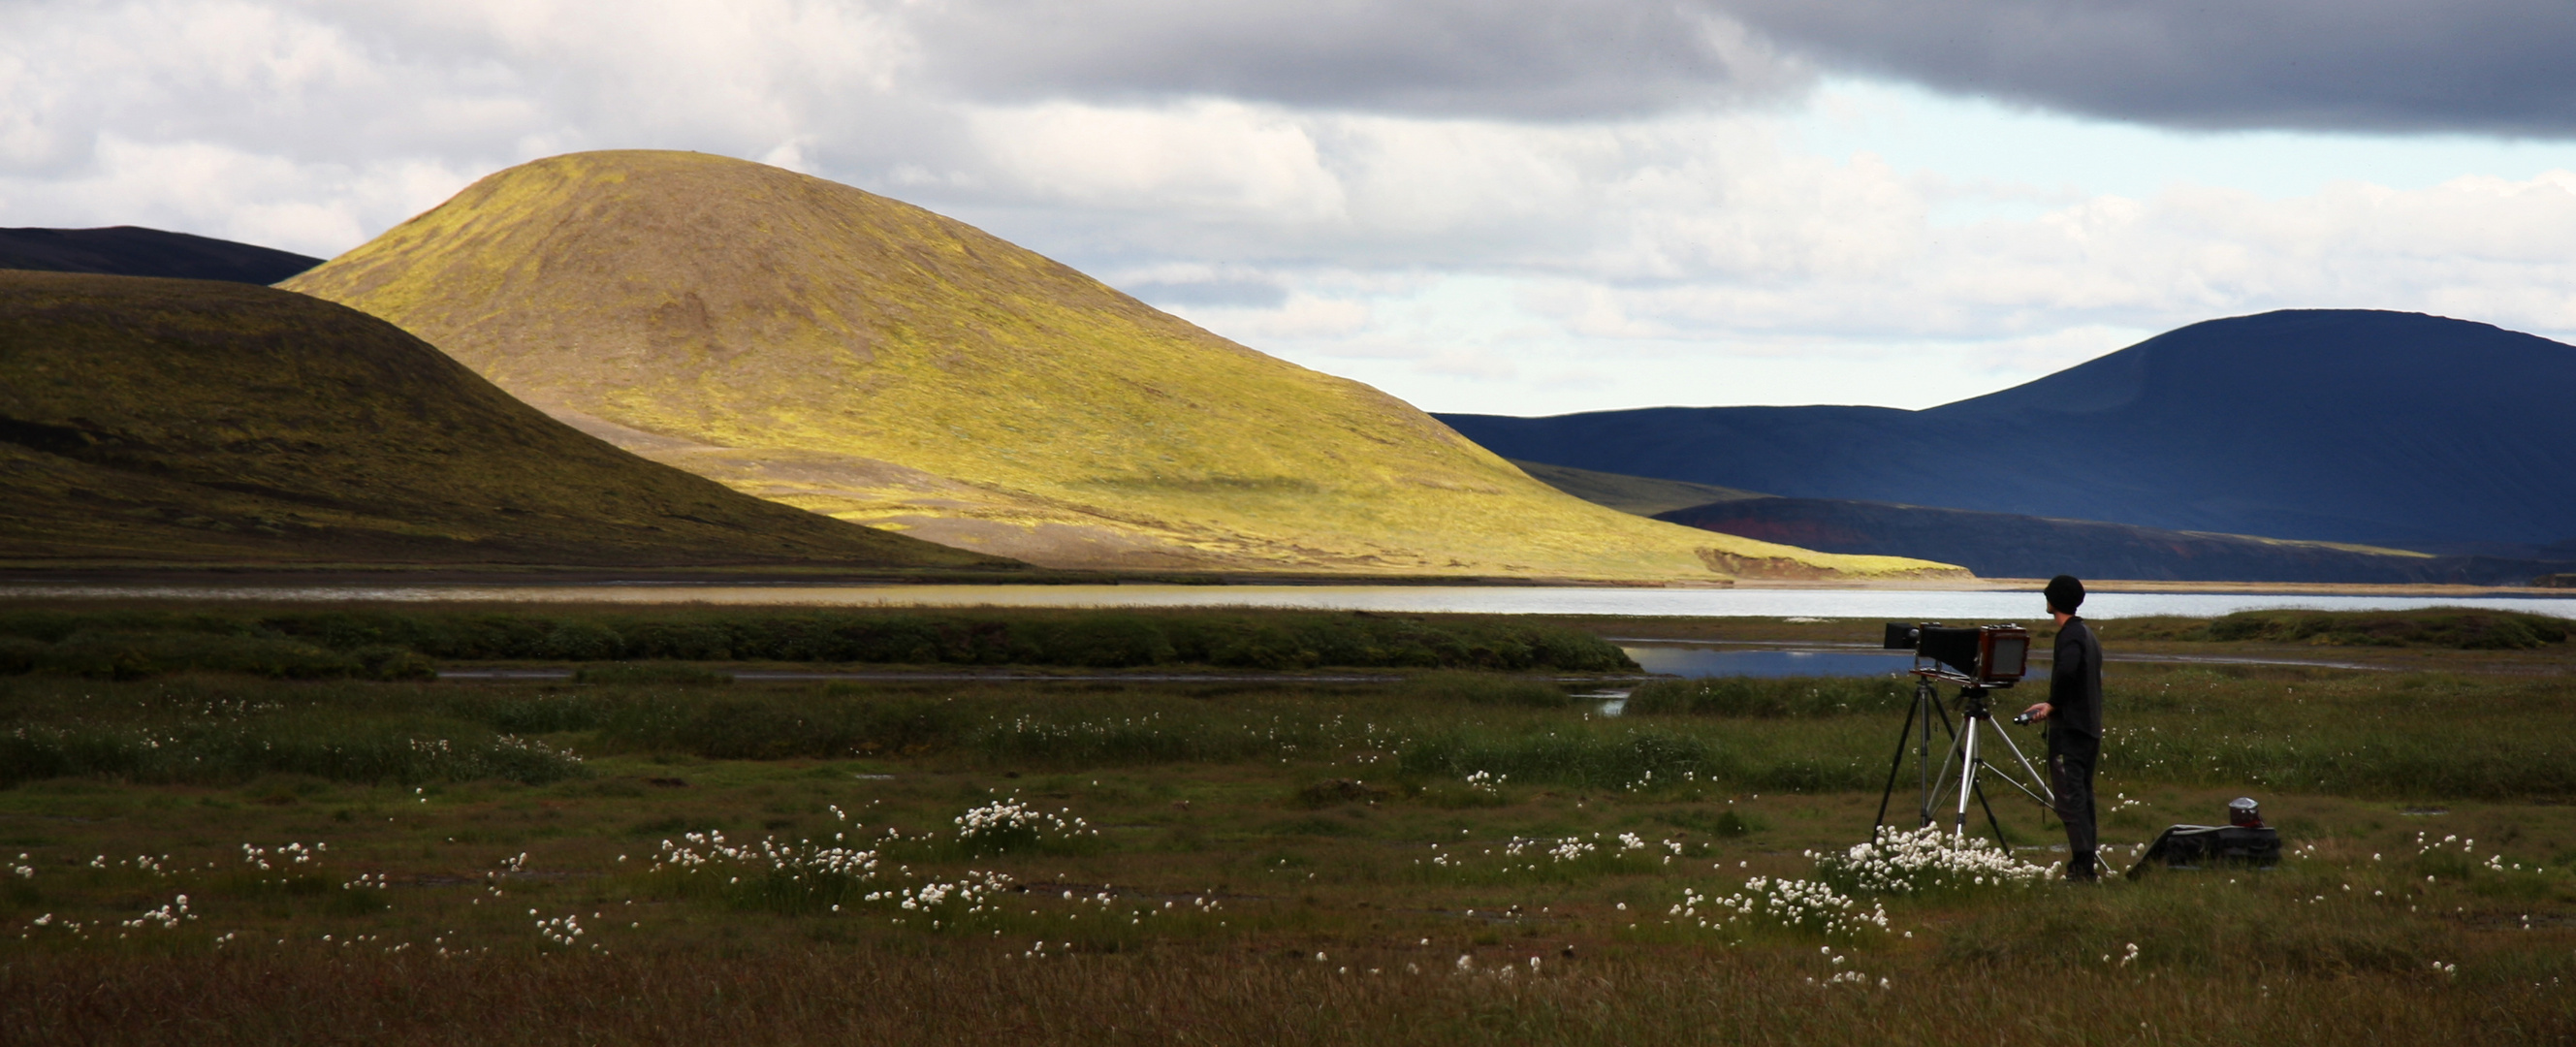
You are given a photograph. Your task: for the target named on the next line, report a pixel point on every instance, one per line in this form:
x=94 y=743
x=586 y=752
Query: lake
x=1888 y=604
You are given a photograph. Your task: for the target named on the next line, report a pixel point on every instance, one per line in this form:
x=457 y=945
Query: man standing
x=2073 y=712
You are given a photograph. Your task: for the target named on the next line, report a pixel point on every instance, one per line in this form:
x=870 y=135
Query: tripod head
x=1972 y=704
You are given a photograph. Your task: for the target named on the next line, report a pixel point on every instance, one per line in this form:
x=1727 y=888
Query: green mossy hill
x=135 y=642
x=839 y=351
x=157 y=422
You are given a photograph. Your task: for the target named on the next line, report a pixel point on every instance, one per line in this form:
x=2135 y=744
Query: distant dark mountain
x=2392 y=429
x=2001 y=545
x=127 y=250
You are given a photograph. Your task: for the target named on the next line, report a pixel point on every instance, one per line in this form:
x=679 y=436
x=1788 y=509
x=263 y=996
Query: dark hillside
x=2003 y=545
x=127 y=250
x=183 y=421
x=1644 y=496
x=2381 y=428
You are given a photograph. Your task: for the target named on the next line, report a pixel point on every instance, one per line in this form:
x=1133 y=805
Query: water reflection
x=1704 y=661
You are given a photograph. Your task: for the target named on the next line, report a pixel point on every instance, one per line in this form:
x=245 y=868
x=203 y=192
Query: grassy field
x=660 y=855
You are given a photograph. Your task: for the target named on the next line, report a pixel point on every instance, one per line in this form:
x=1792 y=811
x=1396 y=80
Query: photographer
x=2073 y=713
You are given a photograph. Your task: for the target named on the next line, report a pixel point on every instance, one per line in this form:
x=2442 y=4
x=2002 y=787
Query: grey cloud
x=2484 y=66
x=1529 y=59
x=1255 y=294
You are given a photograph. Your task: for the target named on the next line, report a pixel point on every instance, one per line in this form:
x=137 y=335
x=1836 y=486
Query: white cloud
x=1585 y=243
x=1221 y=160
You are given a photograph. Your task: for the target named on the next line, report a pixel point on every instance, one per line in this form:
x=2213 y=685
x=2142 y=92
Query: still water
x=1889 y=604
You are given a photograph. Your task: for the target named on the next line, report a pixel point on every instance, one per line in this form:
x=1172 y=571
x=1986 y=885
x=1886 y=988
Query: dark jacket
x=2075 y=682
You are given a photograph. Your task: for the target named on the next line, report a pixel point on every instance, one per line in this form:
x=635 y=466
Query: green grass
x=1242 y=829
x=1746 y=696
x=391 y=642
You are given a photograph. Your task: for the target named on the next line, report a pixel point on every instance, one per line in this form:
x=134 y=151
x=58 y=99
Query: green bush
x=19 y=654
x=630 y=674
x=781 y=726
x=135 y=655
x=233 y=754
x=386 y=662
x=2454 y=627
x=1092 y=639
x=1109 y=641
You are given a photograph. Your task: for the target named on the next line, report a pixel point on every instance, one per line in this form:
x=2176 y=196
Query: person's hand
x=2036 y=713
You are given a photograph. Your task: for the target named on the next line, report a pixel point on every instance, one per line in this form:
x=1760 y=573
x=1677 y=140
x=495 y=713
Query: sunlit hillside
x=847 y=353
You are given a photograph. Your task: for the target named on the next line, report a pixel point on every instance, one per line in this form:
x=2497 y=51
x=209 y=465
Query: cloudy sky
x=1514 y=206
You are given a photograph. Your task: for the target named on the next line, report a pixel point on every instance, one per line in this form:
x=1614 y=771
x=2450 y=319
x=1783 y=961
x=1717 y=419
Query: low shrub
x=2454 y=627
x=1487 y=689
x=1334 y=792
x=1091 y=639
x=19 y=654
x=631 y=674
x=773 y=727
x=219 y=754
x=1747 y=696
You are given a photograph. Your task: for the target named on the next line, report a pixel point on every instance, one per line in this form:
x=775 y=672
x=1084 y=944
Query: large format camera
x=1986 y=656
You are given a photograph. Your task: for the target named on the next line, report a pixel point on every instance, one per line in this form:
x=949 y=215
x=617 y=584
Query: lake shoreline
x=282 y=577
x=1788 y=603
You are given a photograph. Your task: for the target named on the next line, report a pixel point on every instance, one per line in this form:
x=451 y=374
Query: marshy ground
x=660 y=856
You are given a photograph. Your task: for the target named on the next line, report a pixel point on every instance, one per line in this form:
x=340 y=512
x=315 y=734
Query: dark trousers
x=2070 y=775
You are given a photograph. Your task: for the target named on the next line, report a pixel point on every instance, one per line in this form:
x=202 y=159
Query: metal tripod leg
x=1932 y=788
x=1964 y=752
x=2046 y=796
x=1917 y=734
x=1904 y=738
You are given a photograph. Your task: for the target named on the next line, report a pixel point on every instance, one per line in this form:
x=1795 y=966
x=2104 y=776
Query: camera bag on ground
x=2199 y=846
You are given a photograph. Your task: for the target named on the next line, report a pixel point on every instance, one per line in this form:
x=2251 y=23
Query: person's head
x=2065 y=594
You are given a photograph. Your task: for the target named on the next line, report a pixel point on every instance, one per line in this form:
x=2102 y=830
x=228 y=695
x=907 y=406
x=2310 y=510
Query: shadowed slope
x=835 y=350
x=127 y=250
x=184 y=421
x=2003 y=545
x=1642 y=495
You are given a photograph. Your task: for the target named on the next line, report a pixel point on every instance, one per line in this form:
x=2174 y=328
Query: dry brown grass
x=914 y=995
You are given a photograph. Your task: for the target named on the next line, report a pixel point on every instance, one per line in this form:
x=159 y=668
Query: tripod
x=1964 y=753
